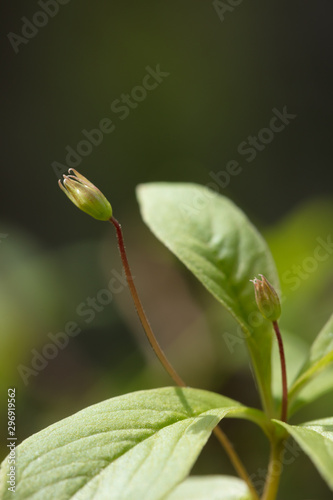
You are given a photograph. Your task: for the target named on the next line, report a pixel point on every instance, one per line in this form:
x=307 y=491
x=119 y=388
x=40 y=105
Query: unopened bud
x=267 y=299
x=85 y=195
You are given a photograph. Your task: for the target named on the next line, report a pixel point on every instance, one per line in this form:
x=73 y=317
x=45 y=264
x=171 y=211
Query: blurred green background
x=223 y=75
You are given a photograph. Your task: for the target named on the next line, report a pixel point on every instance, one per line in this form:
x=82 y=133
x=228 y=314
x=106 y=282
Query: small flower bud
x=267 y=299
x=85 y=195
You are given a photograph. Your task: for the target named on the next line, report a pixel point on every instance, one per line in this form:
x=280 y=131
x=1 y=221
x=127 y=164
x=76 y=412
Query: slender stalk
x=139 y=308
x=235 y=460
x=274 y=471
x=284 y=408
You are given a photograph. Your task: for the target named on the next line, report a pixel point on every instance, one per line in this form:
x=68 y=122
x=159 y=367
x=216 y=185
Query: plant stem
x=139 y=308
x=235 y=460
x=284 y=408
x=274 y=471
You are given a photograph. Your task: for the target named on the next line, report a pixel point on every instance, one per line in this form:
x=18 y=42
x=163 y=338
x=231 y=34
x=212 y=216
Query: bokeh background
x=224 y=73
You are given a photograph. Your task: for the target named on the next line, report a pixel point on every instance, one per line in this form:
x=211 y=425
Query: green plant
x=143 y=445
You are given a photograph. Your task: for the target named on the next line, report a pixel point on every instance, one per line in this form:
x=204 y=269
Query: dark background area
x=226 y=76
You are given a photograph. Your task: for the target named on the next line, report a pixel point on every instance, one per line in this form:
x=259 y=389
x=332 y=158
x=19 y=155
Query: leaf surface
x=320 y=358
x=212 y=487
x=220 y=246
x=316 y=440
x=140 y=445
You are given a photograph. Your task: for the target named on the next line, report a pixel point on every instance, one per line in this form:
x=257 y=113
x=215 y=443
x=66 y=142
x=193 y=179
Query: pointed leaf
x=316 y=440
x=221 y=247
x=139 y=445
x=212 y=487
x=320 y=358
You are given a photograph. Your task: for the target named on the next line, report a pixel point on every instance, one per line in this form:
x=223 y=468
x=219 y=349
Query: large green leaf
x=316 y=440
x=139 y=445
x=212 y=487
x=221 y=247
x=320 y=358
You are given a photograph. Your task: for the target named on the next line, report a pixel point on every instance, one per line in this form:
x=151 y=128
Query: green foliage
x=138 y=445
x=316 y=440
x=321 y=384
x=219 y=488
x=217 y=242
x=142 y=445
x=320 y=358
x=295 y=242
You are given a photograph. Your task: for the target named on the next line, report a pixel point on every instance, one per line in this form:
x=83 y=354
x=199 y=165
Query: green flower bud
x=85 y=195
x=268 y=301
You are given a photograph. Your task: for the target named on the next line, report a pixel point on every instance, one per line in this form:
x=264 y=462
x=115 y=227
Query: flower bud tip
x=85 y=195
x=267 y=299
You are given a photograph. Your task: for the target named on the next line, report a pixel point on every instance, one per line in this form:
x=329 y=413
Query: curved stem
x=235 y=460
x=139 y=308
x=284 y=409
x=274 y=471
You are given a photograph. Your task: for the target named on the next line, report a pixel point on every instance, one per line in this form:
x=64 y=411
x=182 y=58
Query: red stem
x=284 y=409
x=139 y=308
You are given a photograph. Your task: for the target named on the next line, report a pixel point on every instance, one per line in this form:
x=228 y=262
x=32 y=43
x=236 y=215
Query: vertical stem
x=235 y=460
x=284 y=408
x=274 y=472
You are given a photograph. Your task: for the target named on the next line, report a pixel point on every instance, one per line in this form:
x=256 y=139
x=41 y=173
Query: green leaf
x=321 y=384
x=316 y=440
x=212 y=487
x=217 y=242
x=320 y=358
x=139 y=445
